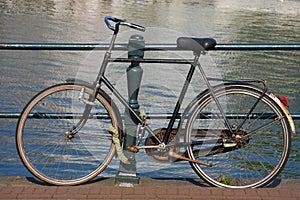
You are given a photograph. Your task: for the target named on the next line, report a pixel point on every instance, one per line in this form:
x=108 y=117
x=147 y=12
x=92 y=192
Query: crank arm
x=177 y=156
x=160 y=146
x=136 y=149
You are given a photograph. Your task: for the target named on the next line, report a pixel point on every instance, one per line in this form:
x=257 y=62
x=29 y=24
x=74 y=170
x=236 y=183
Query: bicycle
x=233 y=134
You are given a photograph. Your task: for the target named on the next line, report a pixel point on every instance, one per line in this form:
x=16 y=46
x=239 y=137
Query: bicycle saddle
x=196 y=44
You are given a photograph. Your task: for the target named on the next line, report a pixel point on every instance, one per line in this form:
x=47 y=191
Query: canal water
x=24 y=73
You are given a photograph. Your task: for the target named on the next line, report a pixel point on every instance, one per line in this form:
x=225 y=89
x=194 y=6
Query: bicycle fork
x=90 y=101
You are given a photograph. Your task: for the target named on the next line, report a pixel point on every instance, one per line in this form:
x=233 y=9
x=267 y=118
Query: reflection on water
x=229 y=21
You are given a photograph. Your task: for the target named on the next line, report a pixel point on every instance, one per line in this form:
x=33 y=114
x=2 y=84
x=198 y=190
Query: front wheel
x=58 y=143
x=257 y=151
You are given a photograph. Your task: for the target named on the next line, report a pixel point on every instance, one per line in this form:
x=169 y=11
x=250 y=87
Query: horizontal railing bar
x=257 y=47
x=148 y=47
x=295 y=116
x=153 y=60
x=59 y=46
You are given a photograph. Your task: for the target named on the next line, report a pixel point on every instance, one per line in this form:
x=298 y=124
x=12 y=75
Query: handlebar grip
x=106 y=20
x=134 y=26
x=121 y=22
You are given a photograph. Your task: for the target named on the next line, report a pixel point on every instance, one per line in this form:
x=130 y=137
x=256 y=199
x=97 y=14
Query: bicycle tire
x=253 y=162
x=41 y=135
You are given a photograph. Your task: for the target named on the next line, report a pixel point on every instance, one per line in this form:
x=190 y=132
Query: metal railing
x=148 y=47
x=12 y=115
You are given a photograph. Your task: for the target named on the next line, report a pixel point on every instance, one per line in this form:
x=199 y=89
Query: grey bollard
x=127 y=172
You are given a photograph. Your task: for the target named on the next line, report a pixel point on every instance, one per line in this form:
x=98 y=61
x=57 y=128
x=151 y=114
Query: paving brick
x=8 y=196
x=244 y=198
x=6 y=190
x=262 y=192
x=216 y=191
x=69 y=196
x=39 y=190
x=149 y=190
x=94 y=196
x=239 y=192
x=50 y=189
x=251 y=192
x=172 y=190
x=295 y=193
x=110 y=196
x=133 y=196
x=285 y=192
x=116 y=191
x=274 y=193
x=18 y=189
x=228 y=192
x=279 y=198
x=200 y=192
x=95 y=191
x=106 y=191
x=160 y=191
x=63 y=189
x=34 y=196
x=83 y=191
x=128 y=191
x=184 y=192
x=28 y=190
x=139 y=191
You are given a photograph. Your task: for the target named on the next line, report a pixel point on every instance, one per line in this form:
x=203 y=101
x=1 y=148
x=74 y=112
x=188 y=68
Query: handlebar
x=119 y=22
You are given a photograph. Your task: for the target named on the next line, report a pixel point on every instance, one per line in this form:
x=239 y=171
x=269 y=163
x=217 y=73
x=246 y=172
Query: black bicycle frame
x=176 y=110
x=180 y=99
x=101 y=78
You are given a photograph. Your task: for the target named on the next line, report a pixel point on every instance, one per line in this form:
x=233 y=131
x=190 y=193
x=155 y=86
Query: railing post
x=127 y=172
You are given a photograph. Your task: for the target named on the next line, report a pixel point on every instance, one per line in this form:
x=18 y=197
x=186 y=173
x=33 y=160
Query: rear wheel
x=60 y=146
x=251 y=157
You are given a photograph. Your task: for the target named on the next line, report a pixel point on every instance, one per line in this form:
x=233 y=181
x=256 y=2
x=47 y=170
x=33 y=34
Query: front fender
x=106 y=96
x=82 y=82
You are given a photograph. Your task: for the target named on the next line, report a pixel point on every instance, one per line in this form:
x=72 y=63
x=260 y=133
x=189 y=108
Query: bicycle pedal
x=133 y=149
x=227 y=145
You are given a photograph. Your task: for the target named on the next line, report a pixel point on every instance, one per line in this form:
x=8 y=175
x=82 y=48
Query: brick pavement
x=29 y=188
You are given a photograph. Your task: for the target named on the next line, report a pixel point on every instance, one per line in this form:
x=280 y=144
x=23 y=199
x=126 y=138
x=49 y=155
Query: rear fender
x=285 y=110
x=223 y=86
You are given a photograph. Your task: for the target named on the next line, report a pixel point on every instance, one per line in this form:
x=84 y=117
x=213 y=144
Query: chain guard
x=162 y=155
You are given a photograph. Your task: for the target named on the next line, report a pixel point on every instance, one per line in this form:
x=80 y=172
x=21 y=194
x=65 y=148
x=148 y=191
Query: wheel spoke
x=262 y=141
x=43 y=143
x=264 y=126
